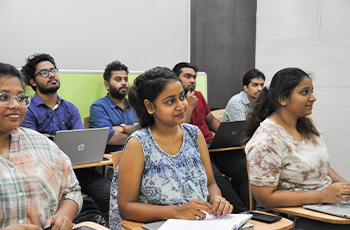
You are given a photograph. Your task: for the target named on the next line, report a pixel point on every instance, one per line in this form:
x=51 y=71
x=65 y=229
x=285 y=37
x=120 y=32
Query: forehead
x=119 y=73
x=11 y=83
x=44 y=65
x=306 y=82
x=172 y=88
x=257 y=80
x=188 y=71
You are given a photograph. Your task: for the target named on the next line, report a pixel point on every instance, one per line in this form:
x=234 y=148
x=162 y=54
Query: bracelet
x=212 y=198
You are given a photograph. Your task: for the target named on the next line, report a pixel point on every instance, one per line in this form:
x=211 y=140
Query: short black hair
x=7 y=70
x=113 y=66
x=253 y=73
x=178 y=67
x=28 y=70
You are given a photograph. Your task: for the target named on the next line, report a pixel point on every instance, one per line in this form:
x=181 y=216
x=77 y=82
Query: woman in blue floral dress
x=150 y=184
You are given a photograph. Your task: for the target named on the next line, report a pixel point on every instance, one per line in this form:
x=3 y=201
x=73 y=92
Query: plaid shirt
x=237 y=108
x=37 y=176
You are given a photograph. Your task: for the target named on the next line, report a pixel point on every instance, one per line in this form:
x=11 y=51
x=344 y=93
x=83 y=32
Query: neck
x=49 y=99
x=288 y=122
x=5 y=142
x=118 y=102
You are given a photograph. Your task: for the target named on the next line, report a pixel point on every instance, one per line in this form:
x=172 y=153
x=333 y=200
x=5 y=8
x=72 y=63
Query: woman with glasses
x=38 y=187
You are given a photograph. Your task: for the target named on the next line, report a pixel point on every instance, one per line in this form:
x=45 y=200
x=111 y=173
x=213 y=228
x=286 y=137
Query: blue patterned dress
x=164 y=179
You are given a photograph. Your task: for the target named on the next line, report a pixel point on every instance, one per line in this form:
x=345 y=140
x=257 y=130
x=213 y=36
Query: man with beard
x=48 y=113
x=113 y=110
x=240 y=104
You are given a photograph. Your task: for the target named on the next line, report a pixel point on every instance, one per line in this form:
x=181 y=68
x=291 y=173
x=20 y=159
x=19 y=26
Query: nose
x=14 y=104
x=312 y=97
x=181 y=104
x=192 y=80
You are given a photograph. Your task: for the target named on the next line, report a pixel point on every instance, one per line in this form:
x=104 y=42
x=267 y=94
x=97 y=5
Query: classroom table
x=90 y=224
x=314 y=215
x=282 y=224
x=226 y=149
x=94 y=164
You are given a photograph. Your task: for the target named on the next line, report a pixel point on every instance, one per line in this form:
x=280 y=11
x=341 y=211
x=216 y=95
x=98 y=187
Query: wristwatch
x=124 y=127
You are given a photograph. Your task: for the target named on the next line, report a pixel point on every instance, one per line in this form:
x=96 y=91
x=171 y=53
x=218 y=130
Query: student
x=288 y=159
x=150 y=183
x=38 y=186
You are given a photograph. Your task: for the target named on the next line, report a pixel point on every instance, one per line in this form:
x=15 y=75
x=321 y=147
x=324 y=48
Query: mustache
x=123 y=87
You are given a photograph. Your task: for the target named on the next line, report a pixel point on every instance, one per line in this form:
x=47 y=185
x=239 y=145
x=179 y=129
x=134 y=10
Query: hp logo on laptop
x=81 y=147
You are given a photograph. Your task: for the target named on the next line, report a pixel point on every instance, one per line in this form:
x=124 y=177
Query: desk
x=91 y=225
x=310 y=214
x=94 y=164
x=282 y=224
x=226 y=149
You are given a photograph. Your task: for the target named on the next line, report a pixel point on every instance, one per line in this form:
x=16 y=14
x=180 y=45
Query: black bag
x=91 y=212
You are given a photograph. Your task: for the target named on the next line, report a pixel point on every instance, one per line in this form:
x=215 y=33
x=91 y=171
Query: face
x=118 y=84
x=170 y=106
x=188 y=77
x=11 y=117
x=301 y=101
x=45 y=85
x=254 y=88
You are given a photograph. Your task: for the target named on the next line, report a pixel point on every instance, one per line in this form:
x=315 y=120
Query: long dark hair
x=281 y=87
x=148 y=86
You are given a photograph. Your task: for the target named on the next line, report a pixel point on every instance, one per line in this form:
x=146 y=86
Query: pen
x=195 y=189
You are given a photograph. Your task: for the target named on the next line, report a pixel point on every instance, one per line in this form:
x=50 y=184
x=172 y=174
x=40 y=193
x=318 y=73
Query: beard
x=45 y=90
x=115 y=93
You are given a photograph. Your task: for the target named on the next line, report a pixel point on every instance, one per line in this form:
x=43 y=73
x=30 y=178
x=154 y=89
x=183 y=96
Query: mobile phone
x=267 y=218
x=48 y=228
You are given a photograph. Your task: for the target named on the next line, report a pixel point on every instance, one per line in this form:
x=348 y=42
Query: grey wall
x=314 y=36
x=223 y=45
x=89 y=34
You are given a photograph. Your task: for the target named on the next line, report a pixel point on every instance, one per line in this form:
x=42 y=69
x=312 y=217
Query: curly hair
x=113 y=66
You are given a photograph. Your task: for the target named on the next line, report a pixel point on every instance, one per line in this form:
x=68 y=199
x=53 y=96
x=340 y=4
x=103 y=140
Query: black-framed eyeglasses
x=45 y=72
x=6 y=99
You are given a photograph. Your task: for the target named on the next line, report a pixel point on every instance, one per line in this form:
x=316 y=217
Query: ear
x=245 y=88
x=282 y=101
x=106 y=85
x=149 y=106
x=32 y=82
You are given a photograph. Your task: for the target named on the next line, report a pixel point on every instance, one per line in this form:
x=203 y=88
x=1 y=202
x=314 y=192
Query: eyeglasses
x=22 y=99
x=45 y=72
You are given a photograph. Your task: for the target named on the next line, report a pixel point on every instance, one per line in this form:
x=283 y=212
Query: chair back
x=86 y=123
x=218 y=114
x=116 y=156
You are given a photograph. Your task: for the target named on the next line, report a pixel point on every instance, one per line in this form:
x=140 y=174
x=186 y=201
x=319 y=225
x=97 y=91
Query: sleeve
x=75 y=118
x=264 y=160
x=29 y=120
x=99 y=118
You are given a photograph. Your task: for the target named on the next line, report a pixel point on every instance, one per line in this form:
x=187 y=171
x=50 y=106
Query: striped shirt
x=37 y=176
x=237 y=108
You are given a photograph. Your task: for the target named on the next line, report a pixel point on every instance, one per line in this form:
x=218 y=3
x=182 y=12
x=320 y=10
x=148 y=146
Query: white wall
x=314 y=36
x=89 y=34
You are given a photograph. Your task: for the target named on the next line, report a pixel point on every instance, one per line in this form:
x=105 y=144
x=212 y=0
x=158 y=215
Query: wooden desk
x=101 y=163
x=310 y=214
x=226 y=149
x=282 y=224
x=91 y=225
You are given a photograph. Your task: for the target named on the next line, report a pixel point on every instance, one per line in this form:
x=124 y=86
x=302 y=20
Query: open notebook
x=228 y=222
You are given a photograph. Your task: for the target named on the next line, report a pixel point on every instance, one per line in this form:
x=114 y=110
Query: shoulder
x=189 y=129
x=33 y=137
x=101 y=101
x=67 y=103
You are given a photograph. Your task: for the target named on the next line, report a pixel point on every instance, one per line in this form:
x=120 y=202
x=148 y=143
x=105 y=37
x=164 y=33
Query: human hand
x=336 y=192
x=59 y=221
x=191 y=99
x=24 y=227
x=193 y=210
x=221 y=206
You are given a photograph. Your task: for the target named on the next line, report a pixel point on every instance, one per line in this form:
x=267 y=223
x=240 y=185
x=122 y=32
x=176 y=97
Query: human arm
x=192 y=101
x=335 y=176
x=130 y=173
x=64 y=215
x=220 y=205
x=212 y=122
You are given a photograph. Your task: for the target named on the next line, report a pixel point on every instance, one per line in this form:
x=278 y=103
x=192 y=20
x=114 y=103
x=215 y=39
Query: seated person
x=240 y=104
x=38 y=186
x=113 y=110
x=150 y=183
x=288 y=159
x=49 y=113
x=231 y=163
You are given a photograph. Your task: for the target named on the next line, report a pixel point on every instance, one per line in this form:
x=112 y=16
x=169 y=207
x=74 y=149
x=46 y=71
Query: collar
x=114 y=105
x=36 y=100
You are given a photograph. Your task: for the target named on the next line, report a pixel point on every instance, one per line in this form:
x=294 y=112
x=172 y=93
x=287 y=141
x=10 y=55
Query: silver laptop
x=83 y=145
x=229 y=134
x=342 y=208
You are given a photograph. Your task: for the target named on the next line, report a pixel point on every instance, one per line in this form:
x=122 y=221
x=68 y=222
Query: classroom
x=223 y=38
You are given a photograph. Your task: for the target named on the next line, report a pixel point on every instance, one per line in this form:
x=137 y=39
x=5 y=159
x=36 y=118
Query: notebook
x=158 y=224
x=83 y=145
x=229 y=134
x=342 y=208
x=227 y=222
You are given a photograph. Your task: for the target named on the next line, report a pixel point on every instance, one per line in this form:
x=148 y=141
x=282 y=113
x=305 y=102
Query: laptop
x=83 y=145
x=229 y=134
x=342 y=208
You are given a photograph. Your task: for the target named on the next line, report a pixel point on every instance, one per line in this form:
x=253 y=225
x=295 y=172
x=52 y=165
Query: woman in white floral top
x=288 y=159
